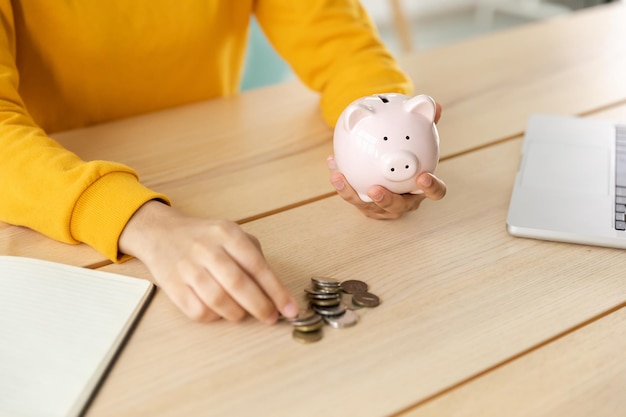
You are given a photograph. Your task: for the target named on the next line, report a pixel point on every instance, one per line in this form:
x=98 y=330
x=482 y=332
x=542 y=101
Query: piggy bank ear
x=355 y=113
x=422 y=104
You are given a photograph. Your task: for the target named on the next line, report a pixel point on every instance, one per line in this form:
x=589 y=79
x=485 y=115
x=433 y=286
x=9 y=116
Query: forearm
x=333 y=47
x=49 y=189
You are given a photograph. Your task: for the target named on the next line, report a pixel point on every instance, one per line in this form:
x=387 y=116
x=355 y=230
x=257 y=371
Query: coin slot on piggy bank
x=387 y=140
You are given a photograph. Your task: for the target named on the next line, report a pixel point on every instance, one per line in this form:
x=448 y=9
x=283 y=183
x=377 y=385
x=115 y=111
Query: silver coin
x=331 y=311
x=325 y=303
x=307 y=337
x=302 y=314
x=349 y=318
x=327 y=290
x=321 y=295
x=310 y=327
x=325 y=282
x=352 y=286
x=365 y=299
x=304 y=317
x=323 y=299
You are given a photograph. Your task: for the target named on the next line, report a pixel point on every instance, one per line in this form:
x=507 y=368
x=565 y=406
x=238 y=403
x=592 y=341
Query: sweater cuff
x=102 y=211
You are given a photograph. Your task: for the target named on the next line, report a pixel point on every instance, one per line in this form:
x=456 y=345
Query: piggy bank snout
x=399 y=165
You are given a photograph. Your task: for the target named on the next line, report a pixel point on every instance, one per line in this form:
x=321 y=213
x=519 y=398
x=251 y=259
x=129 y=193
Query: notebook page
x=60 y=327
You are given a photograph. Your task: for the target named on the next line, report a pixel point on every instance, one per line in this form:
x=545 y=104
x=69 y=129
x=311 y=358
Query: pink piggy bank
x=388 y=140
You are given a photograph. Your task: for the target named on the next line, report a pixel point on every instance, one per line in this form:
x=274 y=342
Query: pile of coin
x=328 y=303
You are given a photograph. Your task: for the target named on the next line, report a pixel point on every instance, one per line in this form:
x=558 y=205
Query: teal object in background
x=263 y=66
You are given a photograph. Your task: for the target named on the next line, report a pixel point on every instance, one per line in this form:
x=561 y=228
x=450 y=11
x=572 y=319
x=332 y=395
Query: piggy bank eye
x=385 y=138
x=407 y=138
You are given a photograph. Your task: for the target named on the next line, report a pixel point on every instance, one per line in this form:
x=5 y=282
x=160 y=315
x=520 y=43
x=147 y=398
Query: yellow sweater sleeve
x=193 y=53
x=334 y=48
x=47 y=187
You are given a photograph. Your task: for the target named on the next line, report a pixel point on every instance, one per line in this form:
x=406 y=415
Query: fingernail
x=290 y=310
x=426 y=180
x=377 y=195
x=330 y=161
x=338 y=183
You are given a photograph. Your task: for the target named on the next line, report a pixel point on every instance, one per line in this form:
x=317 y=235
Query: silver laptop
x=571 y=183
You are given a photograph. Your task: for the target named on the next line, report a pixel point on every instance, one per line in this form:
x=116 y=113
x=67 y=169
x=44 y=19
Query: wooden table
x=473 y=321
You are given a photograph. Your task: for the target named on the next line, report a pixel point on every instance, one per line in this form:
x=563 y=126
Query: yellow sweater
x=66 y=64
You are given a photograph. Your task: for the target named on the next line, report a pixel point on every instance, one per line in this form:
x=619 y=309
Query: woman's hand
x=385 y=204
x=209 y=268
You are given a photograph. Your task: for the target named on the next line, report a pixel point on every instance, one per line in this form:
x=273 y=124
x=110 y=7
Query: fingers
x=243 y=280
x=256 y=242
x=219 y=283
x=433 y=187
x=393 y=206
x=386 y=205
x=212 y=268
x=267 y=285
x=250 y=278
x=345 y=191
x=369 y=209
x=187 y=301
x=342 y=187
x=437 y=112
x=208 y=288
x=339 y=182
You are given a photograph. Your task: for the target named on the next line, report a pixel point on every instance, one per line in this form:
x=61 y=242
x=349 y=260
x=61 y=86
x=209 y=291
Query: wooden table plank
x=582 y=374
x=460 y=296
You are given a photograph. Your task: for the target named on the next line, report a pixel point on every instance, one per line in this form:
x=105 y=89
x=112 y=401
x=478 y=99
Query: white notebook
x=60 y=330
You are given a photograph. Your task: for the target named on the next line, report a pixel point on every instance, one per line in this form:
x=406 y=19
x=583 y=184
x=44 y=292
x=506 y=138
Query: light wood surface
x=472 y=321
x=460 y=297
x=581 y=372
x=21 y=241
x=264 y=151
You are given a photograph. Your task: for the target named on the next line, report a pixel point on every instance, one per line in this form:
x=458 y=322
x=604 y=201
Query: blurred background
x=411 y=25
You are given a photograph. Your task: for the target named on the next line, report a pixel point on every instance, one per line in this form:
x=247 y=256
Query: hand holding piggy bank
x=387 y=140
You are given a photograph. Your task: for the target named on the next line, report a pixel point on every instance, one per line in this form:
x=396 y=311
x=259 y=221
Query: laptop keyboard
x=620 y=178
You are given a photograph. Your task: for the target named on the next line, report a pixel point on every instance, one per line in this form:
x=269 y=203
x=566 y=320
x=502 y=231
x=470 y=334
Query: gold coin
x=348 y=319
x=307 y=337
x=310 y=327
x=322 y=295
x=307 y=322
x=325 y=282
x=303 y=316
